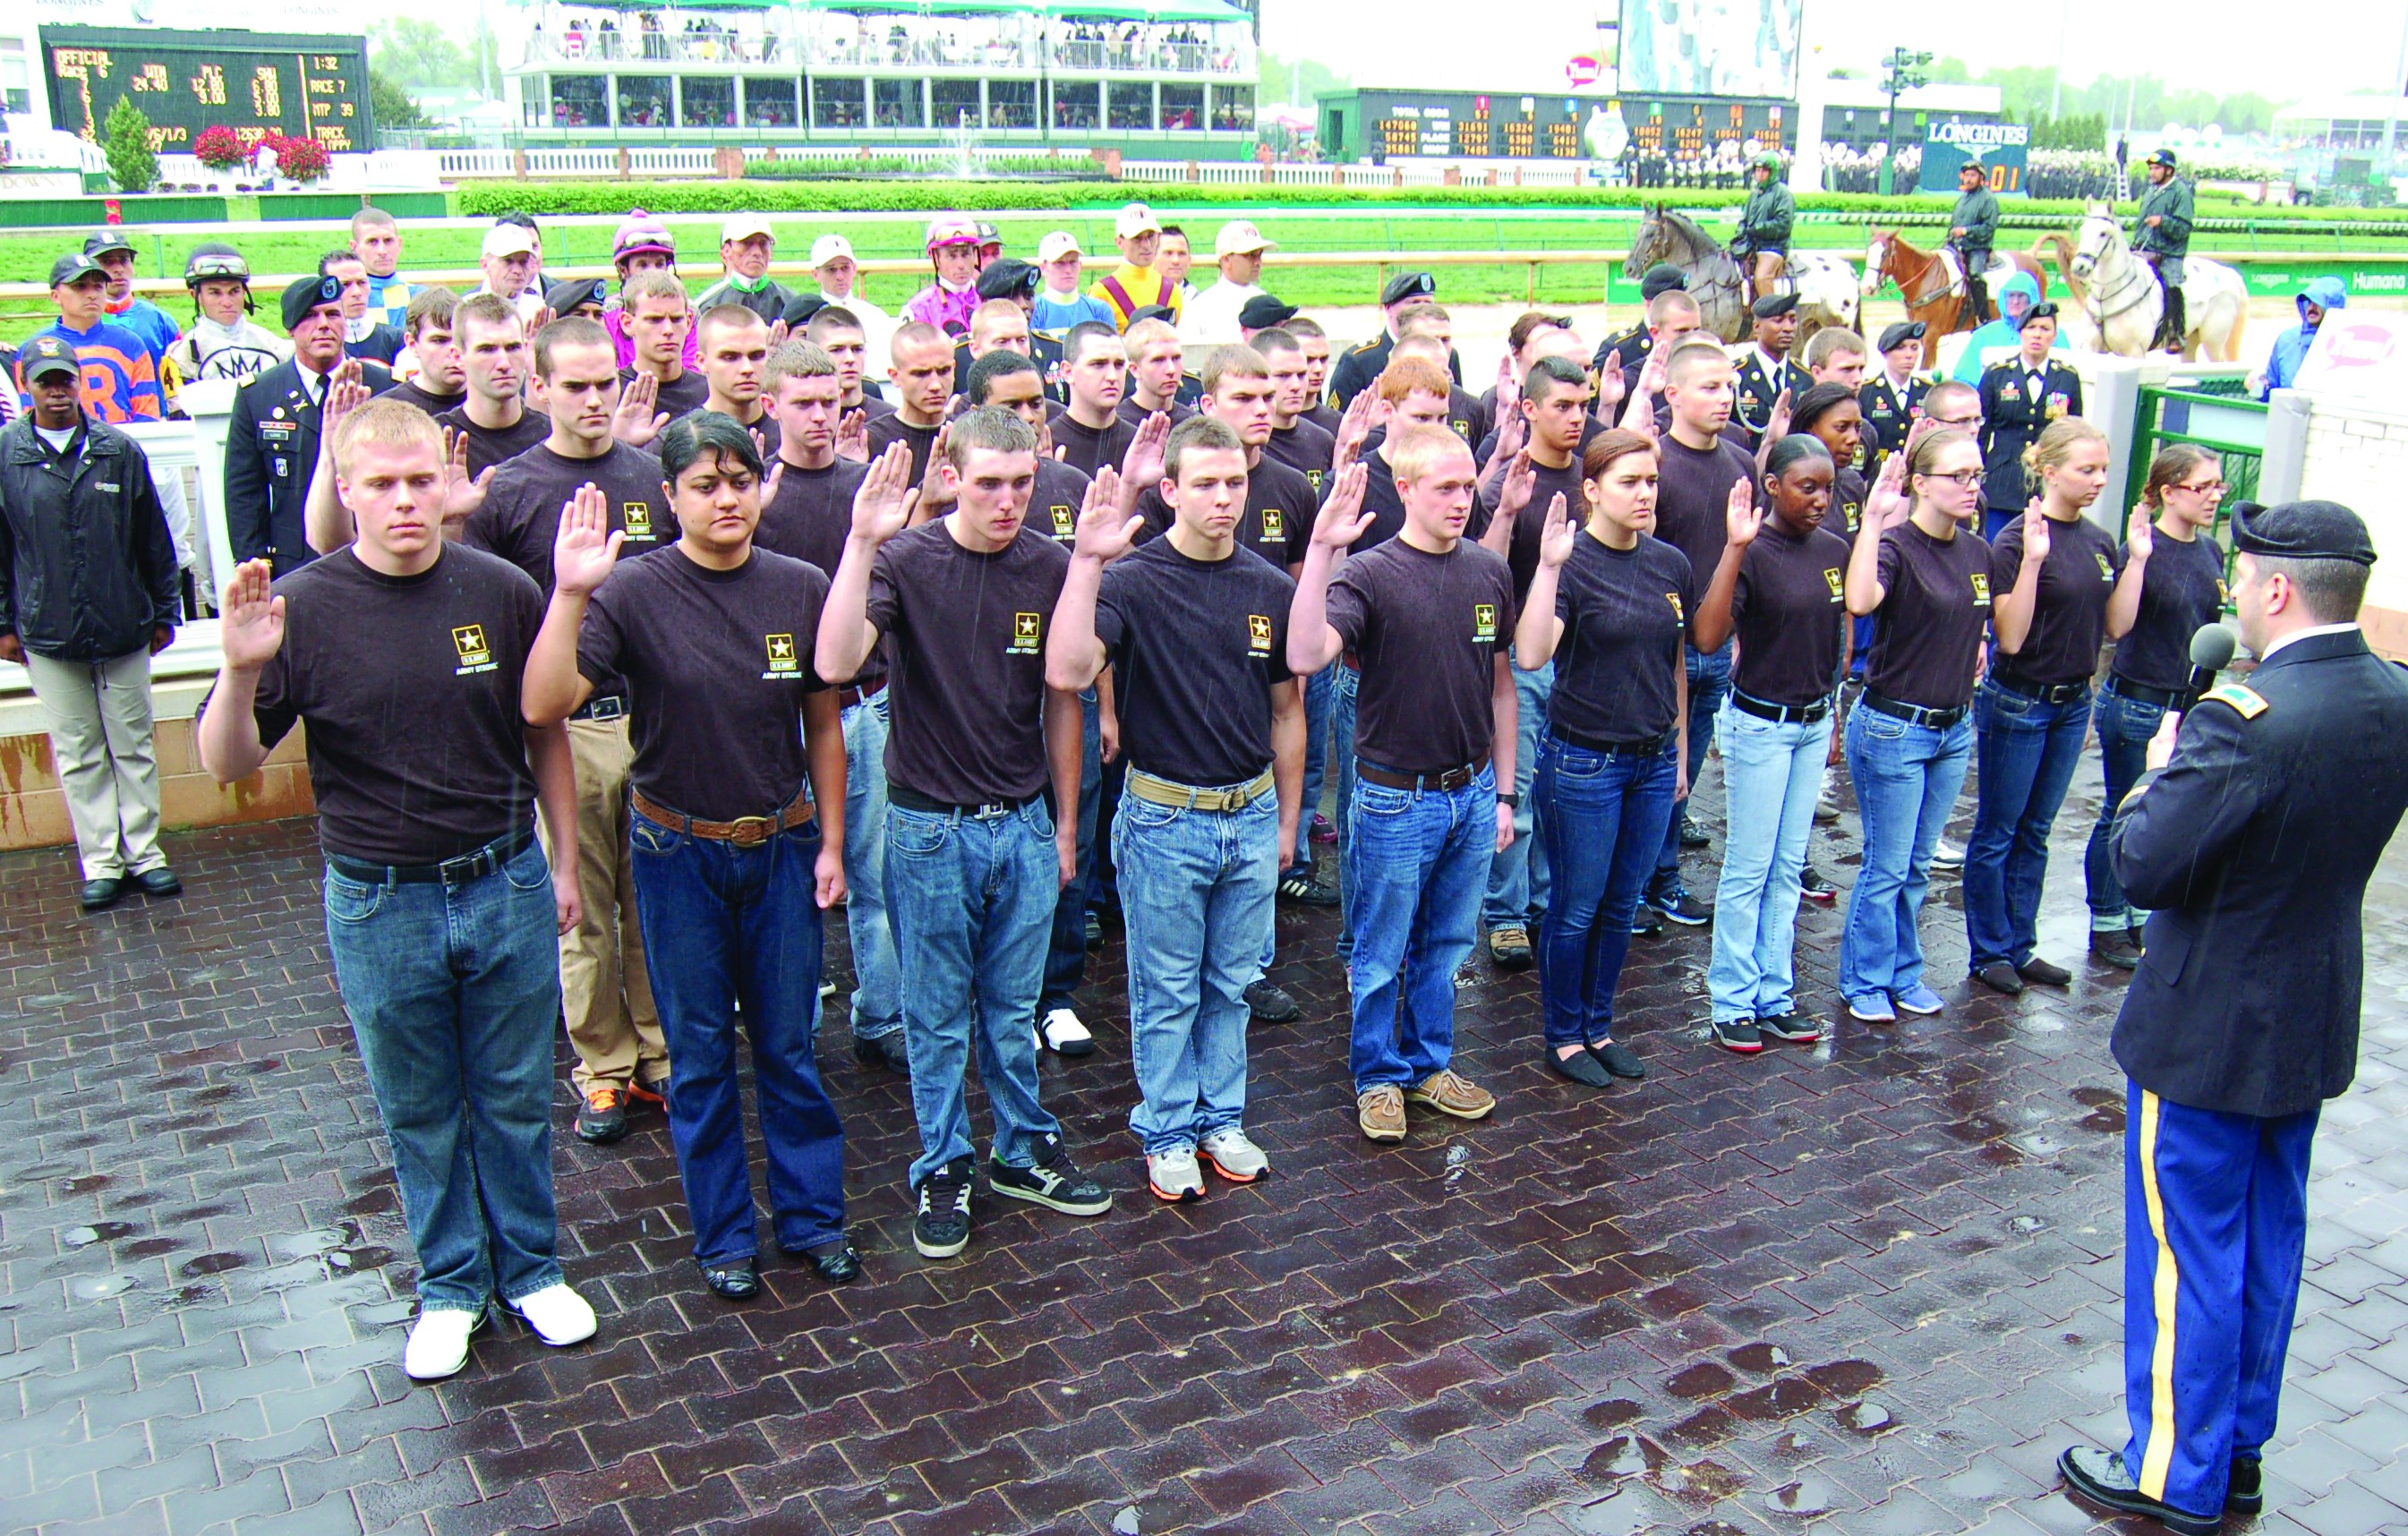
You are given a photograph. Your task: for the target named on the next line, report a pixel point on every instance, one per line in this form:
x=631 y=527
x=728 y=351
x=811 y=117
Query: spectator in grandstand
x=224 y=341
x=2321 y=297
x=120 y=381
x=1135 y=284
x=1059 y=304
x=363 y=337
x=746 y=243
x=508 y=258
x=154 y=325
x=1211 y=315
x=375 y=239
x=839 y=278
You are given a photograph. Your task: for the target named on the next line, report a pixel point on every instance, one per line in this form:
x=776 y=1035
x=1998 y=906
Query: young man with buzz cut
x=1155 y=365
x=436 y=381
x=403 y=654
x=923 y=373
x=840 y=333
x=1430 y=616
x=658 y=319
x=975 y=863
x=494 y=414
x=1090 y=430
x=1192 y=625
x=1295 y=440
x=735 y=347
x=1315 y=342
x=375 y=239
x=606 y=994
x=1014 y=384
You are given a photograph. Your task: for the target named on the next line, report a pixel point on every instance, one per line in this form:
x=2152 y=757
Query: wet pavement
x=1866 y=1286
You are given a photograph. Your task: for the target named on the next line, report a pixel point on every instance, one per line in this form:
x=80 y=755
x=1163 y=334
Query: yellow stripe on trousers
x=2158 y=1454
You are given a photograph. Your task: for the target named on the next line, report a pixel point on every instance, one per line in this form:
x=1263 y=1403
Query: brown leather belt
x=847 y=697
x=1453 y=778
x=744 y=831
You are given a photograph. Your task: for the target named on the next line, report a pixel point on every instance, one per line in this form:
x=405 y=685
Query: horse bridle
x=1889 y=254
x=1674 y=242
x=2133 y=283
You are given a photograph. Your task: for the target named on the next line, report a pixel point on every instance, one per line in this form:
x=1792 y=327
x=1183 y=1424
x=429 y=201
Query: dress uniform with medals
x=1763 y=380
x=272 y=443
x=2251 y=849
x=1888 y=411
x=2018 y=401
x=1359 y=369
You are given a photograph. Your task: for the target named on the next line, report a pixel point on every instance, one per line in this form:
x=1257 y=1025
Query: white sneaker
x=558 y=1315
x=1947 y=858
x=1061 y=1033
x=438 y=1343
x=1173 y=1175
x=1234 y=1155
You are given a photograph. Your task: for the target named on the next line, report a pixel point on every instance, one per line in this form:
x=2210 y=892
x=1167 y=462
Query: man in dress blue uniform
x=272 y=435
x=2252 y=848
x=1765 y=372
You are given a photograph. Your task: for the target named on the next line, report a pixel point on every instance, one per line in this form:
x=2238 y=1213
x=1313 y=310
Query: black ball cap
x=1662 y=278
x=303 y=295
x=1007 y=277
x=799 y=310
x=74 y=268
x=2302 y=530
x=1773 y=306
x=1405 y=286
x=45 y=355
x=1901 y=334
x=106 y=240
x=563 y=298
x=1263 y=311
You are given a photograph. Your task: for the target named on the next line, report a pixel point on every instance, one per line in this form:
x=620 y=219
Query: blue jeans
x=1709 y=685
x=2028 y=752
x=1196 y=889
x=877 y=990
x=973 y=898
x=1344 y=683
x=1066 y=951
x=729 y=929
x=1517 y=878
x=1907 y=777
x=1771 y=773
x=2125 y=727
x=1418 y=861
x=1317 y=691
x=453 y=991
x=1602 y=815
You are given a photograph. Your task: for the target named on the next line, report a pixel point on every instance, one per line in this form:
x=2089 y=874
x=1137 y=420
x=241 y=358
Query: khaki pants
x=604 y=993
x=99 y=715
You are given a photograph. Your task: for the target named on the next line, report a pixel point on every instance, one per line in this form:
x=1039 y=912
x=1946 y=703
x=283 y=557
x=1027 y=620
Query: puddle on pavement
x=306 y=1244
x=1458 y=1157
x=99 y=1231
x=1758 y=1360
x=1617 y=1457
x=1866 y=1417
x=210 y=1264
x=1844 y=1378
x=1125 y=1523
x=99 y=1287
x=1807 y=1496
x=1611 y=1413
x=1702 y=1380
x=2026 y=1225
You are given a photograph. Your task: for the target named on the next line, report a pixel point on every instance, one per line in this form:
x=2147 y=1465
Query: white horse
x=2120 y=295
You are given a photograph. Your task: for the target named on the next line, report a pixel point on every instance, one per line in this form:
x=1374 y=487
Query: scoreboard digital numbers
x=1481 y=127
x=256 y=83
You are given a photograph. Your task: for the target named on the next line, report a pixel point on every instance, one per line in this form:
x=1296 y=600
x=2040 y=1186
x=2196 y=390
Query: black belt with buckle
x=1782 y=715
x=2141 y=693
x=1444 y=780
x=1652 y=746
x=847 y=697
x=1914 y=714
x=451 y=872
x=2043 y=693
x=609 y=706
x=928 y=805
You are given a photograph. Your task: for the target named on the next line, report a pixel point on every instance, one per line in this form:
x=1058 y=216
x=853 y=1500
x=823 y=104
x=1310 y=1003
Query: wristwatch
x=1507 y=799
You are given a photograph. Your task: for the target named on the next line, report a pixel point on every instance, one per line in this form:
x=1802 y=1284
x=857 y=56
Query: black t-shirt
x=688 y=394
x=965 y=636
x=1618 y=664
x=872 y=404
x=809 y=520
x=1325 y=417
x=1935 y=605
x=1278 y=522
x=1427 y=630
x=1790 y=613
x=887 y=430
x=380 y=345
x=1056 y=500
x=716 y=664
x=434 y=405
x=497 y=445
x=519 y=519
x=410 y=689
x=2180 y=589
x=1195 y=646
x=1849 y=493
x=1134 y=415
x=1086 y=448
x=1693 y=498
x=2070 y=620
x=1305 y=448
x=1530 y=523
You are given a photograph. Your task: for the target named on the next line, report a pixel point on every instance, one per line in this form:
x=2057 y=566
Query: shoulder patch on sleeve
x=2245 y=699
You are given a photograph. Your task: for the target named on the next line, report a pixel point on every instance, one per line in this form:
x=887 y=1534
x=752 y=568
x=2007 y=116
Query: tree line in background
x=2087 y=116
x=408 y=54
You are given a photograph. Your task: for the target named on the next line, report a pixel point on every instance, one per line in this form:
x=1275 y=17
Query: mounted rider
x=2161 y=238
x=1762 y=242
x=1972 y=225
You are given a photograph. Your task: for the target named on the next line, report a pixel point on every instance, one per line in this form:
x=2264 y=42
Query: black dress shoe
x=2246 y=1493
x=1619 y=1059
x=159 y=882
x=99 y=894
x=2040 y=972
x=888 y=1051
x=835 y=1262
x=1999 y=976
x=2100 y=1477
x=1581 y=1066
x=735 y=1280
x=1271 y=1003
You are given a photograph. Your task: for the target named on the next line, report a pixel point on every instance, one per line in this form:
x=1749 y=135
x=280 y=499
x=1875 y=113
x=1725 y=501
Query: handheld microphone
x=2211 y=651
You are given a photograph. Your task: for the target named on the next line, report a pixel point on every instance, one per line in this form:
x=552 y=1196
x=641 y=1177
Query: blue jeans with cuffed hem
x=1602 y=815
x=1906 y=778
x=1344 y=682
x=1196 y=889
x=2029 y=750
x=1771 y=773
x=1418 y=860
x=729 y=928
x=973 y=900
x=2125 y=727
x=877 y=991
x=1517 y=876
x=1709 y=685
x=454 y=991
x=1065 y=947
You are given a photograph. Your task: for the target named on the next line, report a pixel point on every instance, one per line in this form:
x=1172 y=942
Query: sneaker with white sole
x=1173 y=1175
x=438 y=1343
x=1060 y=1032
x=557 y=1314
x=1947 y=858
x=1234 y=1155
x=1051 y=1179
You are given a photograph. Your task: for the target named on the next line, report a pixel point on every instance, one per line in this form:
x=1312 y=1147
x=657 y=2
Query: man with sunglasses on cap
x=271 y=447
x=509 y=258
x=1358 y=369
x=120 y=382
x=746 y=243
x=1893 y=397
x=1211 y=315
x=1136 y=285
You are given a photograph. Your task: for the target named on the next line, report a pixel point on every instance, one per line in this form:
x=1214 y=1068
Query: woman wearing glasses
x=1925 y=575
x=2172 y=584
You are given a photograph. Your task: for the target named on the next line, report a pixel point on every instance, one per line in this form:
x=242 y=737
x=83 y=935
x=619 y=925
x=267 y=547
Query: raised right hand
x=1342 y=519
x=882 y=506
x=1104 y=534
x=2140 y=535
x=1555 y=540
x=585 y=549
x=250 y=627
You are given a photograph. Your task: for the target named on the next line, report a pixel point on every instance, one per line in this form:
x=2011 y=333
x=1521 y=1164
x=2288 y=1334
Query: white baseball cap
x=827 y=247
x=1136 y=219
x=743 y=226
x=1239 y=238
x=508 y=240
x=1056 y=246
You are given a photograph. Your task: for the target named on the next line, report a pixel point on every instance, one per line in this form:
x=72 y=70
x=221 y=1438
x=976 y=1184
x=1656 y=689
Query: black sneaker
x=2247 y=1492
x=1737 y=1035
x=1094 y=930
x=1053 y=1180
x=1790 y=1027
x=887 y=1050
x=1303 y=888
x=942 y=1228
x=1692 y=834
x=1647 y=923
x=1688 y=911
x=1813 y=887
x=1271 y=1003
x=602 y=1113
x=1999 y=976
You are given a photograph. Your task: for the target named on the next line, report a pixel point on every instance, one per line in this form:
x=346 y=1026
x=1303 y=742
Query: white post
x=1814 y=94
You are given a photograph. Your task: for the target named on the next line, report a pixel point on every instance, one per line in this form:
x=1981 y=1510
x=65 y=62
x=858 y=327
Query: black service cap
x=800 y=309
x=1773 y=305
x=303 y=295
x=74 y=268
x=47 y=355
x=1009 y=277
x=1662 y=278
x=1901 y=334
x=563 y=298
x=2302 y=530
x=1263 y=311
x=1405 y=286
x=106 y=240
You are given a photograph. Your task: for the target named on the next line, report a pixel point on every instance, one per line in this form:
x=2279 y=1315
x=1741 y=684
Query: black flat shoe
x=2040 y=972
x=888 y=1051
x=835 y=1262
x=1999 y=976
x=1618 y=1059
x=734 y=1281
x=2246 y=1493
x=159 y=882
x=1581 y=1066
x=2100 y=1477
x=100 y=895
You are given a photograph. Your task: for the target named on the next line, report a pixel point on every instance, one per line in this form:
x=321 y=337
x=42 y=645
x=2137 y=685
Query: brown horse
x=1932 y=295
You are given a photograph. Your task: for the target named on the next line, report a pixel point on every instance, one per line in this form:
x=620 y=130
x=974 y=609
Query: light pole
x=1903 y=71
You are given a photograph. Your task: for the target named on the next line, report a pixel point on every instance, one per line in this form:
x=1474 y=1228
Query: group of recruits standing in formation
x=759 y=641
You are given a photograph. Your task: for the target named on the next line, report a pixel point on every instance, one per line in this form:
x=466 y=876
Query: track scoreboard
x=1498 y=126
x=257 y=83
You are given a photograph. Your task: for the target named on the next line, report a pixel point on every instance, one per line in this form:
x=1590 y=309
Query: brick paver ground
x=1870 y=1286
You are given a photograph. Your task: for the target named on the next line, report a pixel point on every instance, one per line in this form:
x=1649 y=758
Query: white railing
x=572 y=162
x=690 y=161
x=456 y=164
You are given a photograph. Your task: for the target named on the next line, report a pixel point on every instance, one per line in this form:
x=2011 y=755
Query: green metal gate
x=2215 y=414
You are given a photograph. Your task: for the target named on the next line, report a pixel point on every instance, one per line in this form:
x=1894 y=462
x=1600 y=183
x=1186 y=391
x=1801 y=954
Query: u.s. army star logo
x=475 y=654
x=1274 y=525
x=1026 y=629
x=1484 y=621
x=1679 y=614
x=1831 y=580
x=1066 y=523
x=1981 y=589
x=784 y=662
x=637 y=518
x=1258 y=634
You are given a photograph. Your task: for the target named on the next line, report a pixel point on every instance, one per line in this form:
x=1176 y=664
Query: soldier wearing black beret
x=577 y=296
x=1893 y=397
x=2250 y=842
x=1360 y=368
x=272 y=434
x=1765 y=372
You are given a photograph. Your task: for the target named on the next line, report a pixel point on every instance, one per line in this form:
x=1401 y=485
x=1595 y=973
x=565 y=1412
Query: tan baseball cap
x=1056 y=245
x=1239 y=238
x=743 y=226
x=1136 y=219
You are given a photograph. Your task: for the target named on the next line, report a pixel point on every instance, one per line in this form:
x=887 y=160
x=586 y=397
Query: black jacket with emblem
x=2013 y=419
x=1889 y=413
x=87 y=565
x=1758 y=388
x=271 y=449
x=2252 y=849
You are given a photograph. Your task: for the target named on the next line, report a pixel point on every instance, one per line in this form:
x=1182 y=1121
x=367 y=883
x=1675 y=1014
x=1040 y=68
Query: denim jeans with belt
x=1344 y=683
x=973 y=898
x=725 y=925
x=877 y=990
x=453 y=990
x=2125 y=727
x=1709 y=678
x=2029 y=750
x=1771 y=772
x=1517 y=876
x=1418 y=860
x=1066 y=949
x=1906 y=777
x=1602 y=815
x=1196 y=892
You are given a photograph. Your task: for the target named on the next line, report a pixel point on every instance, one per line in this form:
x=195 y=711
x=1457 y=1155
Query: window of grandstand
x=705 y=101
x=1131 y=106
x=1233 y=108
x=579 y=101
x=955 y=103
x=769 y=101
x=644 y=101
x=1012 y=103
x=1078 y=103
x=837 y=104
x=901 y=105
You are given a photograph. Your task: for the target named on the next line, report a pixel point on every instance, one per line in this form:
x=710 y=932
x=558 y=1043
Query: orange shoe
x=602 y=1116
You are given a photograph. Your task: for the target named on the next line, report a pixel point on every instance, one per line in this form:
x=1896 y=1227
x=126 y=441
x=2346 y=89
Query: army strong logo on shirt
x=637 y=517
x=2106 y=572
x=1981 y=589
x=1274 y=525
x=783 y=661
x=475 y=654
x=1831 y=580
x=1484 y=621
x=1679 y=615
x=1066 y=522
x=1025 y=629
x=1258 y=634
